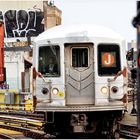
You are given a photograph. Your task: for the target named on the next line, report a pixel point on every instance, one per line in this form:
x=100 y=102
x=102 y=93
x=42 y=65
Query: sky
x=115 y=14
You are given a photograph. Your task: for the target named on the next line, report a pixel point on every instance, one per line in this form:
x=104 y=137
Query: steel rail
x=26 y=131
x=5 y=136
x=31 y=125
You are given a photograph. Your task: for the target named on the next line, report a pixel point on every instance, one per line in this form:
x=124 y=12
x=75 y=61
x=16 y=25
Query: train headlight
x=114 y=89
x=44 y=90
x=55 y=91
x=104 y=90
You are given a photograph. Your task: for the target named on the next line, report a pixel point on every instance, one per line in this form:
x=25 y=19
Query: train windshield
x=108 y=59
x=49 y=61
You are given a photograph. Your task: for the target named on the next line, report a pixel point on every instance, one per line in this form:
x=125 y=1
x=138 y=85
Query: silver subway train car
x=77 y=89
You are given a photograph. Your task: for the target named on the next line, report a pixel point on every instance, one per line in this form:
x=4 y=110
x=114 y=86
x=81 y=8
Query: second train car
x=77 y=90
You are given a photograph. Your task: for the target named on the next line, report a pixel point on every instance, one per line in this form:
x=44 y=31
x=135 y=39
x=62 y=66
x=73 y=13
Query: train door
x=79 y=70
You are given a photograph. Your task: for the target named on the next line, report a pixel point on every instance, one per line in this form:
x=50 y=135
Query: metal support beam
x=136 y=24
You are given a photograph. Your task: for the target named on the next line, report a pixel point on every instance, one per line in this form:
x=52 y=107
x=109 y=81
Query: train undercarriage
x=83 y=124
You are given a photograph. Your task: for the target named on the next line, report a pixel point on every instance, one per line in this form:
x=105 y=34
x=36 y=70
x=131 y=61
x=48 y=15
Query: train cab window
x=108 y=59
x=79 y=57
x=49 y=61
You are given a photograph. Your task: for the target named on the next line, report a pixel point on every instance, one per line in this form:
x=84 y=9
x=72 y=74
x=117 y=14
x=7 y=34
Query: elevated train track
x=31 y=125
x=129 y=130
x=10 y=134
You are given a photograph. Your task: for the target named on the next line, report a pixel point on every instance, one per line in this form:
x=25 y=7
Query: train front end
x=80 y=92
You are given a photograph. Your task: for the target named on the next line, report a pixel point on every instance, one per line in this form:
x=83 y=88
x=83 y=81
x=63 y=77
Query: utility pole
x=136 y=24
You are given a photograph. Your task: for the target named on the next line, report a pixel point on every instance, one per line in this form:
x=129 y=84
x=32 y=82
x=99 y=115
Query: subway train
x=76 y=86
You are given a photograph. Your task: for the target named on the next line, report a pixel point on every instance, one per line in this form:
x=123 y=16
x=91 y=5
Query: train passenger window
x=49 y=61
x=79 y=57
x=108 y=59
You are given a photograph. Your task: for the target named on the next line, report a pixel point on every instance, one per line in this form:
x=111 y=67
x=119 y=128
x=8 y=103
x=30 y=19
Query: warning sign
x=108 y=59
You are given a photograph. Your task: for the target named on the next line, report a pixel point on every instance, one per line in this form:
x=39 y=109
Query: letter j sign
x=108 y=59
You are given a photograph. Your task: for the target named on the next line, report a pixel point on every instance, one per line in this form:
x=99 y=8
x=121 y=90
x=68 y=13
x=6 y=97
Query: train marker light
x=104 y=90
x=114 y=89
x=55 y=91
x=45 y=90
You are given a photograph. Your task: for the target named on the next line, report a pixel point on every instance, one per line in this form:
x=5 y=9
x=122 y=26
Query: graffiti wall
x=22 y=23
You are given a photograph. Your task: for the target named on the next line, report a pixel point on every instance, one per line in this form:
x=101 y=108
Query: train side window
x=79 y=57
x=49 y=61
x=108 y=59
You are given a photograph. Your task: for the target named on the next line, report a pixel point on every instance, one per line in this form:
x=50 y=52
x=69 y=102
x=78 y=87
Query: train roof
x=63 y=31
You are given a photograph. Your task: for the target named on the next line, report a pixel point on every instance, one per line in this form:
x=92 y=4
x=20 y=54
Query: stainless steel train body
x=81 y=95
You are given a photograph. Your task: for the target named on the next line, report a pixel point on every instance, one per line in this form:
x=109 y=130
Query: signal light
x=138 y=60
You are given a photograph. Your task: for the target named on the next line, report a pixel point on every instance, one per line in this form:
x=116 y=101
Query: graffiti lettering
x=22 y=23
